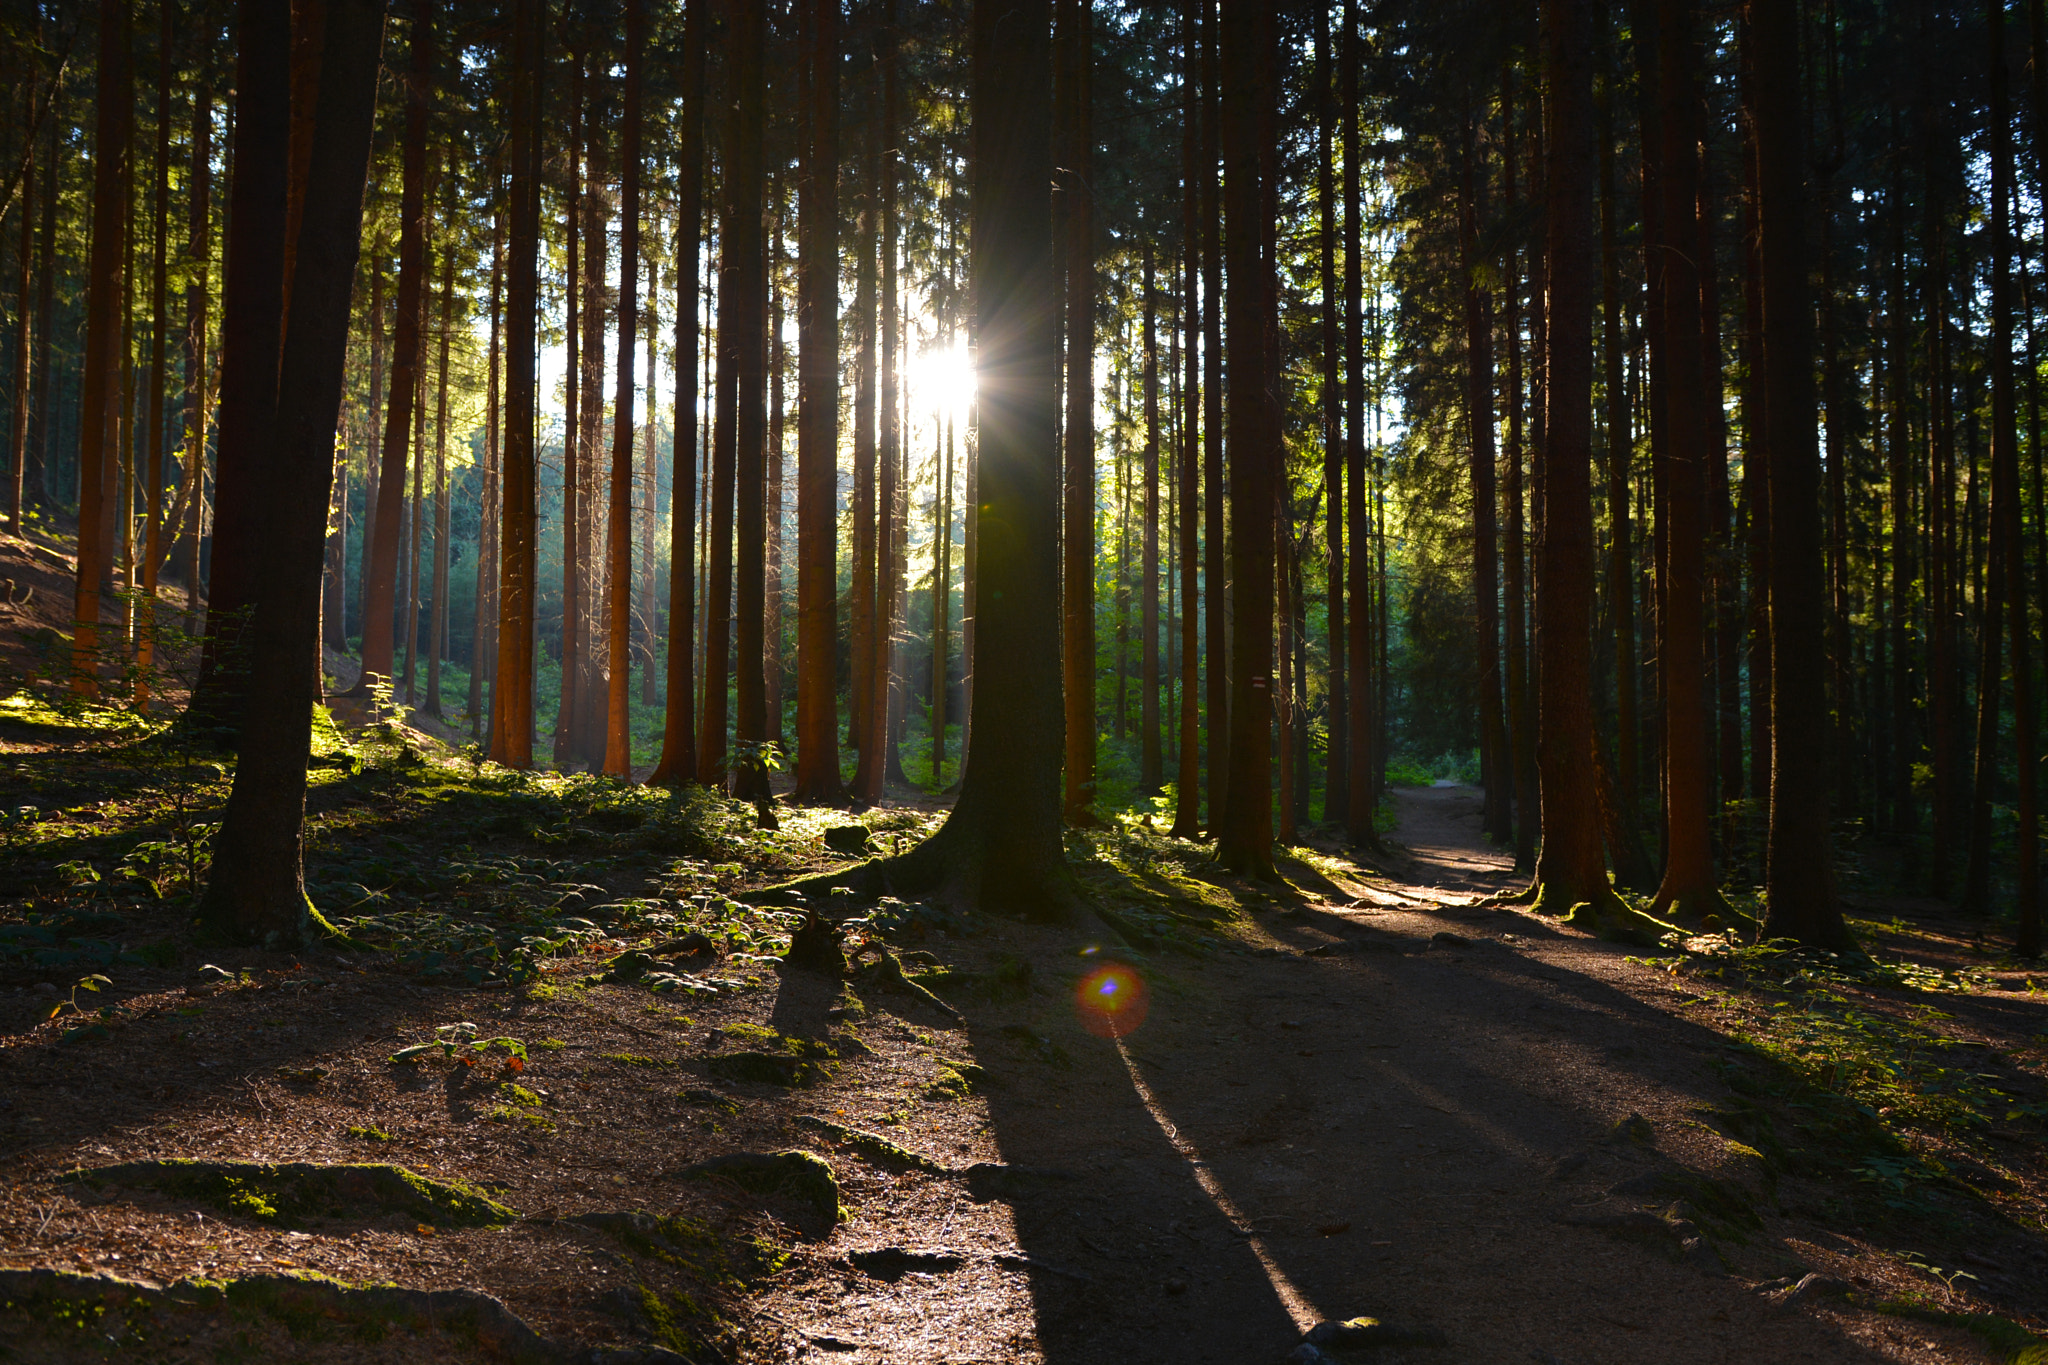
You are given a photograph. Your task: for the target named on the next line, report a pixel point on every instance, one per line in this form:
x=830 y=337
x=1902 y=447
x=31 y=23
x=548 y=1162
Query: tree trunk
x=437 y=633
x=1000 y=847
x=1077 y=578
x=415 y=508
x=483 y=643
x=744 y=181
x=618 y=729
x=1361 y=789
x=1688 y=889
x=881 y=716
x=257 y=892
x=381 y=596
x=1800 y=880
x=1336 y=791
x=678 y=762
x=1519 y=755
x=1151 y=766
x=17 y=432
x=867 y=776
x=574 y=397
x=734 y=328
x=1245 y=833
x=1215 y=625
x=1187 y=808
x=1571 y=873
x=46 y=295
x=152 y=464
x=1496 y=774
x=198 y=255
x=99 y=404
x=589 y=717
x=817 y=433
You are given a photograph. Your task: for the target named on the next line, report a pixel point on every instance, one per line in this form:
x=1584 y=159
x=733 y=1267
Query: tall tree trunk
x=1496 y=773
x=1187 y=809
x=483 y=647
x=46 y=295
x=734 y=328
x=1215 y=625
x=867 y=777
x=1800 y=879
x=1245 y=833
x=618 y=729
x=256 y=892
x=152 y=465
x=678 y=762
x=1151 y=766
x=1621 y=596
x=437 y=634
x=1519 y=758
x=1336 y=791
x=1000 y=847
x=99 y=403
x=743 y=246
x=588 y=718
x=373 y=454
x=817 y=434
x=1571 y=873
x=17 y=431
x=198 y=295
x=1077 y=608
x=773 y=576
x=1361 y=790
x=574 y=397
x=512 y=683
x=415 y=508
x=381 y=596
x=1688 y=888
x=2005 y=495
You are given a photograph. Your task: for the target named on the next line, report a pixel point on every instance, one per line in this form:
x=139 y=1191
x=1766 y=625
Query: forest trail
x=1413 y=1115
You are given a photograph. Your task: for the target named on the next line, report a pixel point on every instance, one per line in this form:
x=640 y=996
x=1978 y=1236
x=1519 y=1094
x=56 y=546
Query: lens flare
x=1111 y=1000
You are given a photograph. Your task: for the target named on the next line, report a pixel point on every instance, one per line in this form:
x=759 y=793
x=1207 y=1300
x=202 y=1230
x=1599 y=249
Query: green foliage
x=461 y=1042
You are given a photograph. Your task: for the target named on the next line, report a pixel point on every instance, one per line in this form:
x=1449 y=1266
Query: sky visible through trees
x=1215 y=412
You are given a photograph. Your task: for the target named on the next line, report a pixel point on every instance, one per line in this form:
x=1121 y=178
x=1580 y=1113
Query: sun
x=940 y=379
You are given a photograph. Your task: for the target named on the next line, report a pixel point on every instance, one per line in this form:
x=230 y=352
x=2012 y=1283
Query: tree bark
x=381 y=597
x=1800 y=880
x=1571 y=873
x=817 y=434
x=1245 y=833
x=1361 y=794
x=152 y=465
x=99 y=403
x=678 y=762
x=17 y=432
x=1077 y=578
x=256 y=892
x=483 y=647
x=1215 y=625
x=1187 y=809
x=1496 y=773
x=618 y=729
x=1151 y=766
x=437 y=633
x=1336 y=790
x=743 y=245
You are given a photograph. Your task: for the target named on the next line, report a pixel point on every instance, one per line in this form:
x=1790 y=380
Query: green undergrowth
x=1844 y=1066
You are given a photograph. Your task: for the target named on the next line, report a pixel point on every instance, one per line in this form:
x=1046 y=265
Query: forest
x=1028 y=681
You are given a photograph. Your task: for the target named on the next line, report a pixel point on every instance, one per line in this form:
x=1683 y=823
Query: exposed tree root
x=1705 y=907
x=1603 y=914
x=961 y=867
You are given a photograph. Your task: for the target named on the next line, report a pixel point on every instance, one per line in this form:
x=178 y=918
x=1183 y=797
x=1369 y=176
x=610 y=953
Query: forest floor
x=1360 y=1094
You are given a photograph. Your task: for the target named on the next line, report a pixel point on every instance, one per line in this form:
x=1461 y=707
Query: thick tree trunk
x=151 y=466
x=257 y=888
x=512 y=721
x=743 y=246
x=1336 y=791
x=618 y=729
x=817 y=433
x=198 y=256
x=17 y=431
x=1800 y=881
x=1215 y=624
x=1245 y=833
x=678 y=762
x=1000 y=847
x=415 y=509
x=99 y=402
x=1571 y=873
x=1077 y=578
x=483 y=646
x=587 y=717
x=1361 y=787
x=1688 y=888
x=381 y=596
x=867 y=776
x=1187 y=809
x=734 y=329
x=1520 y=755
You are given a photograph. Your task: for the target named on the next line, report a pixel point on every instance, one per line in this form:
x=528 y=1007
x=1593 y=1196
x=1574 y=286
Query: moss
x=955 y=1081
x=802 y=1176
x=785 y=1043
x=768 y=1068
x=874 y=1145
x=635 y=1059
x=519 y=1095
x=300 y=1191
x=368 y=1132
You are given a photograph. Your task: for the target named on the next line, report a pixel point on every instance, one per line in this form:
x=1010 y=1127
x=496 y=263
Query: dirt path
x=1380 y=1111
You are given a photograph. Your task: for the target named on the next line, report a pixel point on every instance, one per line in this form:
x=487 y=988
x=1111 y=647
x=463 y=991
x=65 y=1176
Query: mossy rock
x=874 y=1145
x=69 y=1310
x=955 y=1081
x=768 y=1068
x=296 y=1192
x=802 y=1176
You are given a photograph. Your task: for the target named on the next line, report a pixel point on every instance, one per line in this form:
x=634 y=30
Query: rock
x=1357 y=1334
x=817 y=946
x=293 y=1192
x=854 y=841
x=893 y=1263
x=1633 y=1131
x=689 y=945
x=1449 y=939
x=803 y=1176
x=873 y=1145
